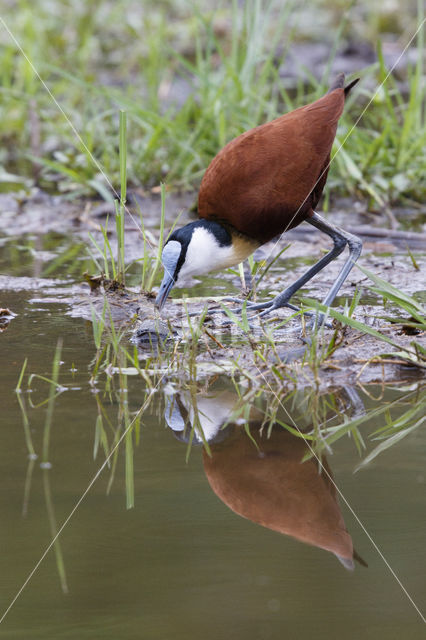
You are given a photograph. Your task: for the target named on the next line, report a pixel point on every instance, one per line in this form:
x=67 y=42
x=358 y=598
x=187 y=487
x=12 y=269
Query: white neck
x=205 y=254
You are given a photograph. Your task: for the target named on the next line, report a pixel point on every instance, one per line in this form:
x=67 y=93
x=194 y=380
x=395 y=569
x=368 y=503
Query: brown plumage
x=271 y=178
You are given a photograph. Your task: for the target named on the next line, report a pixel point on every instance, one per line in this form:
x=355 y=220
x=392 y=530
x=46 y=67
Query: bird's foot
x=250 y=306
x=316 y=319
x=277 y=303
x=268 y=305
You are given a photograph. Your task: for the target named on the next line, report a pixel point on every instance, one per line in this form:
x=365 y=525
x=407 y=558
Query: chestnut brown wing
x=269 y=179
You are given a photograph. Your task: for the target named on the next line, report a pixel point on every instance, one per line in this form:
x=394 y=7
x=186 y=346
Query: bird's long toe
x=256 y=306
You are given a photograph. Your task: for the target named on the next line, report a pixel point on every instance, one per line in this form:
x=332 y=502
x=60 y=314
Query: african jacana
x=259 y=185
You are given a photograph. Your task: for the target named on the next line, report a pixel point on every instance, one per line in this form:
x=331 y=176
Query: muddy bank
x=388 y=253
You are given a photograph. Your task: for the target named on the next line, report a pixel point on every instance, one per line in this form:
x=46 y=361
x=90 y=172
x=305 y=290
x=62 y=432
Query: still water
x=190 y=559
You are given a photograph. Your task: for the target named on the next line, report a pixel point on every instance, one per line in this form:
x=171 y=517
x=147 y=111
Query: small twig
x=213 y=338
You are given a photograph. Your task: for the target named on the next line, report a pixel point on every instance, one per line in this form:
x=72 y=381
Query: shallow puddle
x=190 y=559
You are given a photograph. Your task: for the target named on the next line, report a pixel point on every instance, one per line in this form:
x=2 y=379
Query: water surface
x=181 y=563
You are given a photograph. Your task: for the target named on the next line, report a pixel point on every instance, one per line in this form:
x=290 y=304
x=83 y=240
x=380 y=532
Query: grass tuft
x=187 y=87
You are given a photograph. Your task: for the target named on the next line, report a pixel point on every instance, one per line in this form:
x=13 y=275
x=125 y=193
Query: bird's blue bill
x=165 y=288
x=169 y=258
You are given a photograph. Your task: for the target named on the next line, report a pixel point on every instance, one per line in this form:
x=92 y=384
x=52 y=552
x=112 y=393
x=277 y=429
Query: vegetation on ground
x=190 y=78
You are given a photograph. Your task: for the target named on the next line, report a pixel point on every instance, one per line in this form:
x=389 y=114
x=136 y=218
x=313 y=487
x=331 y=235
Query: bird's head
x=195 y=249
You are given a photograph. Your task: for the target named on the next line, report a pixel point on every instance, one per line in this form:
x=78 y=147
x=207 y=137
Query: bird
x=262 y=183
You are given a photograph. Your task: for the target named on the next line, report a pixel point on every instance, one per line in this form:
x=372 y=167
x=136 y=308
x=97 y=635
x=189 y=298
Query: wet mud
x=223 y=345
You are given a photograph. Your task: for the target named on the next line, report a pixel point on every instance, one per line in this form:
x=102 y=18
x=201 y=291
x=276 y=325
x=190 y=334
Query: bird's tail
x=339 y=83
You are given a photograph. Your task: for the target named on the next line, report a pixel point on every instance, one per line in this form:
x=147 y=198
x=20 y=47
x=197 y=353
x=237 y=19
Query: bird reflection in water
x=259 y=474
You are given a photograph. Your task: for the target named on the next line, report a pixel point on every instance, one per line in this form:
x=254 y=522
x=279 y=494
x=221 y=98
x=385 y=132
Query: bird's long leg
x=355 y=247
x=340 y=239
